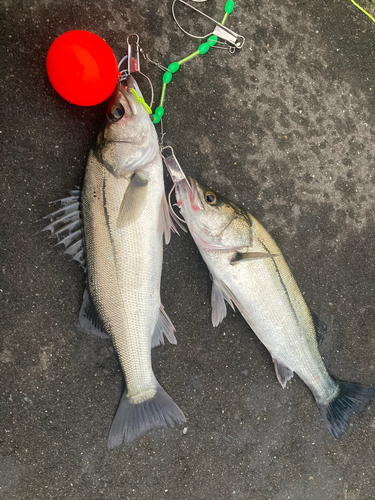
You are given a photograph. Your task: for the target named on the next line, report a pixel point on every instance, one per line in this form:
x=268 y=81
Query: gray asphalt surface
x=284 y=127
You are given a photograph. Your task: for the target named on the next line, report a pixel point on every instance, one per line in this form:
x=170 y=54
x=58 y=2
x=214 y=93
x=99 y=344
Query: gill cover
x=214 y=222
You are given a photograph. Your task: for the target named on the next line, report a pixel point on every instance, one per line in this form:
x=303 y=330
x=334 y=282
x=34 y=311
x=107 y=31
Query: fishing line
x=231 y=38
x=232 y=41
x=363 y=10
x=134 y=66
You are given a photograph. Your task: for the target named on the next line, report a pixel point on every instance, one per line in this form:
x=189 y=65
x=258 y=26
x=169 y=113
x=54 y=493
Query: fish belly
x=124 y=270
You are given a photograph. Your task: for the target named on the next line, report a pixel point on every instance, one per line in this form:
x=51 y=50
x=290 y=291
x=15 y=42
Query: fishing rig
x=220 y=37
x=228 y=40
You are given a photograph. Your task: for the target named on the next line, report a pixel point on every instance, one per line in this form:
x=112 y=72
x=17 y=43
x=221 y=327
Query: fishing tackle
x=363 y=10
x=174 y=168
x=231 y=38
x=177 y=175
x=234 y=40
x=134 y=66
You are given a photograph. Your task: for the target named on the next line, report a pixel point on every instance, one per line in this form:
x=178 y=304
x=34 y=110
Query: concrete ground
x=286 y=128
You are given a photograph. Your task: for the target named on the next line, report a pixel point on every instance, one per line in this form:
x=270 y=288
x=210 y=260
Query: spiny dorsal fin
x=66 y=225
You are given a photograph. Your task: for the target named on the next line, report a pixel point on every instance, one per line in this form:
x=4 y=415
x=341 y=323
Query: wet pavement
x=285 y=127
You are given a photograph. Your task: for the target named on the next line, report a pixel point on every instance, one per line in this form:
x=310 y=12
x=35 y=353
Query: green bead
x=229 y=7
x=167 y=77
x=203 y=48
x=173 y=67
x=159 y=112
x=212 y=40
x=156 y=119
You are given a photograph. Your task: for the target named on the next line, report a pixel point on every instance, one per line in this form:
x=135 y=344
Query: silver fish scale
x=124 y=269
x=274 y=308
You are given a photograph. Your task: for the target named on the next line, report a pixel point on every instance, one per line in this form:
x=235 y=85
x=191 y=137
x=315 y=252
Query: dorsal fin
x=66 y=225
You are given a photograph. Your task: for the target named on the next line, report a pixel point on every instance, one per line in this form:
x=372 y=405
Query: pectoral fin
x=134 y=200
x=283 y=373
x=246 y=256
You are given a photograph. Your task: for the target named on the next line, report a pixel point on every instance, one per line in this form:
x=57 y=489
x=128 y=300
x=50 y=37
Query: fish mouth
x=193 y=193
x=187 y=190
x=132 y=84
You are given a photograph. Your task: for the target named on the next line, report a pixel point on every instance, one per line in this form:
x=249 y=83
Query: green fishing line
x=363 y=10
x=142 y=101
x=175 y=66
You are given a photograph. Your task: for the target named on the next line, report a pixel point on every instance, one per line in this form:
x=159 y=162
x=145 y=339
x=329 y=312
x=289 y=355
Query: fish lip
x=193 y=184
x=191 y=181
x=126 y=94
x=132 y=84
x=190 y=190
x=197 y=201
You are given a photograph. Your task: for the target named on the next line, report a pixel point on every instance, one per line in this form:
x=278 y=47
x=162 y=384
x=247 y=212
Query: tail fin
x=351 y=399
x=133 y=420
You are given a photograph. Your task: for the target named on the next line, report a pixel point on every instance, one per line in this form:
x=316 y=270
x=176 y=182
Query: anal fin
x=283 y=373
x=164 y=326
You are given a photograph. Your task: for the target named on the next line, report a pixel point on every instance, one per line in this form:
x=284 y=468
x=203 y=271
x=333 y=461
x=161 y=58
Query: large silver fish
x=249 y=270
x=125 y=214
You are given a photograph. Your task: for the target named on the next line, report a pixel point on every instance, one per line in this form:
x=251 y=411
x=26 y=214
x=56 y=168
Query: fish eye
x=116 y=112
x=210 y=198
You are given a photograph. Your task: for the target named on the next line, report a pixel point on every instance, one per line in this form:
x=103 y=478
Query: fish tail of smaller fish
x=351 y=399
x=133 y=420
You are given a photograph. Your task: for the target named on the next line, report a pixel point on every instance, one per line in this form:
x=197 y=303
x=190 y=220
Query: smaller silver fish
x=249 y=271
